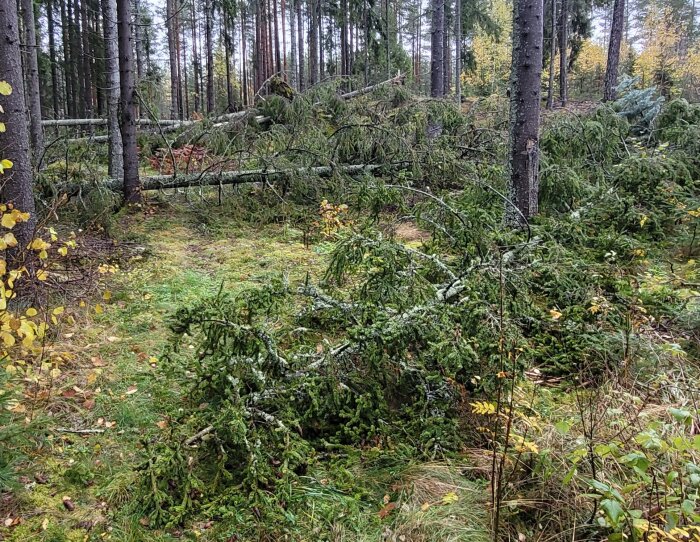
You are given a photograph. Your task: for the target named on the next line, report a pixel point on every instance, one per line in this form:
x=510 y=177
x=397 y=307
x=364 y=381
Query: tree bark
x=563 y=54
x=293 y=71
x=33 y=91
x=552 y=54
x=52 y=58
x=172 y=51
x=437 y=58
x=132 y=186
x=109 y=28
x=313 y=43
x=87 y=60
x=525 y=82
x=458 y=52
x=614 y=51
x=300 y=33
x=16 y=185
x=208 y=43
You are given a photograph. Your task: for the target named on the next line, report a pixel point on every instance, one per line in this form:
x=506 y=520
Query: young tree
x=132 y=185
x=525 y=83
x=32 y=87
x=16 y=185
x=616 y=29
x=109 y=26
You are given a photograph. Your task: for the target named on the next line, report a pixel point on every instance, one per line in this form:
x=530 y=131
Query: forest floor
x=112 y=398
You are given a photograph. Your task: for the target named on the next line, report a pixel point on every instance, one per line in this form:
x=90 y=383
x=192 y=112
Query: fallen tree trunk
x=398 y=80
x=103 y=122
x=158 y=182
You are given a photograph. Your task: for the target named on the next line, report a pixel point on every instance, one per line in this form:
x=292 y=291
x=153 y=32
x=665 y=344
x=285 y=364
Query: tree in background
x=33 y=93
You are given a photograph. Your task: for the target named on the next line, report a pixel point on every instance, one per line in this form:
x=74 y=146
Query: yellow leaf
x=42 y=275
x=450 y=498
x=98 y=309
x=3 y=266
x=555 y=314
x=10 y=240
x=63 y=251
x=5 y=164
x=2 y=128
x=5 y=88
x=107 y=295
x=7 y=338
x=31 y=312
x=8 y=220
x=58 y=310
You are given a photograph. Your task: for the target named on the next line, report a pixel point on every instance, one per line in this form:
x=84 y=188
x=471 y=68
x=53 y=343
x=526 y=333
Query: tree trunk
x=52 y=59
x=196 y=65
x=132 y=186
x=208 y=43
x=172 y=51
x=552 y=54
x=614 y=51
x=300 y=34
x=32 y=89
x=116 y=158
x=16 y=185
x=458 y=52
x=87 y=60
x=525 y=82
x=313 y=43
x=563 y=54
x=437 y=58
x=293 y=71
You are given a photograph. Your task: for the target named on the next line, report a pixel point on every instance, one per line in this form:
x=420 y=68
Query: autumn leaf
x=387 y=509
x=5 y=88
x=450 y=498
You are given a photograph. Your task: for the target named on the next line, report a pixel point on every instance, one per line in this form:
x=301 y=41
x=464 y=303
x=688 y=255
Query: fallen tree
x=158 y=182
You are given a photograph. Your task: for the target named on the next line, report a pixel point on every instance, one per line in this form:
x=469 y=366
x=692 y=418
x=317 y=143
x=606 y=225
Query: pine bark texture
x=132 y=186
x=563 y=54
x=437 y=51
x=16 y=182
x=525 y=83
x=614 y=50
x=116 y=158
x=32 y=90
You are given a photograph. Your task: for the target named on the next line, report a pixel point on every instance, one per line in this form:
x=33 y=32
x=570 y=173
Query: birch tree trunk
x=109 y=28
x=16 y=186
x=33 y=92
x=614 y=50
x=525 y=82
x=132 y=185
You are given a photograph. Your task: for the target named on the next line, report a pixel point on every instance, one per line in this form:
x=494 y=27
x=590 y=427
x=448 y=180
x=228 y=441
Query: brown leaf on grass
x=89 y=404
x=387 y=509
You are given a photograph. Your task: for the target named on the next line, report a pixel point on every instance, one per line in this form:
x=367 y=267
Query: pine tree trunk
x=293 y=70
x=32 y=89
x=116 y=158
x=132 y=185
x=87 y=61
x=563 y=52
x=614 y=51
x=208 y=43
x=552 y=55
x=196 y=65
x=67 y=62
x=52 y=58
x=173 y=54
x=313 y=43
x=278 y=59
x=16 y=185
x=525 y=83
x=300 y=51
x=344 y=46
x=458 y=52
x=437 y=58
